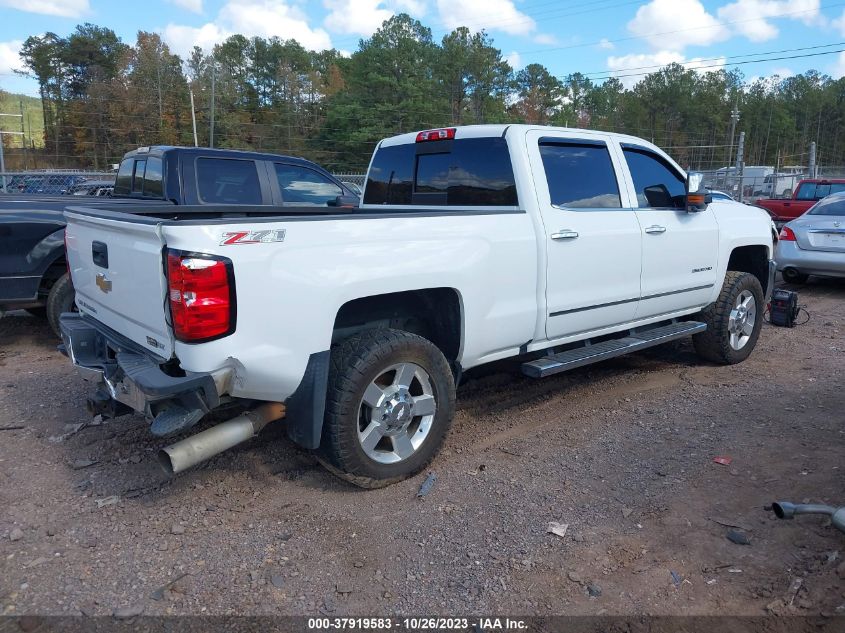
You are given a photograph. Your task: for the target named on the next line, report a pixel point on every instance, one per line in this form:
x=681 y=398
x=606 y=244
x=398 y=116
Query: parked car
x=721 y=195
x=783 y=183
x=814 y=244
x=809 y=192
x=33 y=271
x=562 y=247
x=354 y=187
x=90 y=187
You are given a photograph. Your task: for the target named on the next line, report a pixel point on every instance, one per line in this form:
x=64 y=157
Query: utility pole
x=734 y=121
x=194 y=117
x=740 y=165
x=211 y=122
x=811 y=167
x=23 y=139
x=2 y=157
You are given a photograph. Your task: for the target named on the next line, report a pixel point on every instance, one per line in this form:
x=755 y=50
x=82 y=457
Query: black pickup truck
x=33 y=272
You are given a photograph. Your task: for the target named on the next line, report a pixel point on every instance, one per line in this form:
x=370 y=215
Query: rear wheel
x=61 y=299
x=793 y=276
x=733 y=321
x=389 y=406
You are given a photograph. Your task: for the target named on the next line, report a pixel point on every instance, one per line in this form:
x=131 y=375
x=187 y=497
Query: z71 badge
x=264 y=236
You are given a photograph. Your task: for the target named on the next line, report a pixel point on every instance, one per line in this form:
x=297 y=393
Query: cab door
x=680 y=249
x=592 y=237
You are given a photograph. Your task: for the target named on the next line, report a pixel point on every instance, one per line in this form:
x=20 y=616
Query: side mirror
x=345 y=202
x=697 y=196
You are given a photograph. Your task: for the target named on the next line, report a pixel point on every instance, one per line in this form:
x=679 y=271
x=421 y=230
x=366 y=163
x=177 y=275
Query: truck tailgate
x=117 y=269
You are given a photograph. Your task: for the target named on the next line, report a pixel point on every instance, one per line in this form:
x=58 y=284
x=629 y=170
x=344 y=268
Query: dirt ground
x=621 y=452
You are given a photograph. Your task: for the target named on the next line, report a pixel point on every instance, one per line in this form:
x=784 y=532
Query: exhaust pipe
x=786 y=510
x=198 y=448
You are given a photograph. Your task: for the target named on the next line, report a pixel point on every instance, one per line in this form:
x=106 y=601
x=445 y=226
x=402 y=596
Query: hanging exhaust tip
x=198 y=448
x=787 y=510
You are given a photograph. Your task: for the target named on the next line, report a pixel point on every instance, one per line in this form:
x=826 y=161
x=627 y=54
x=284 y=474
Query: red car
x=807 y=193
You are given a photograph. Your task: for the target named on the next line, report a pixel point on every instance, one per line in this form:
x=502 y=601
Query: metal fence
x=56 y=182
x=764 y=182
x=79 y=182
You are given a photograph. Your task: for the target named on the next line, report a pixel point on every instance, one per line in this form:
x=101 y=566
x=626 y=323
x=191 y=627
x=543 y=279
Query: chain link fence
x=81 y=183
x=57 y=182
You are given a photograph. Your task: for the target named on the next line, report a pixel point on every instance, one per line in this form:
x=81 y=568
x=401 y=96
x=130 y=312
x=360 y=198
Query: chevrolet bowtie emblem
x=103 y=283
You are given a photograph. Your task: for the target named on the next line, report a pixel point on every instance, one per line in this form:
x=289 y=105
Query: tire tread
x=349 y=359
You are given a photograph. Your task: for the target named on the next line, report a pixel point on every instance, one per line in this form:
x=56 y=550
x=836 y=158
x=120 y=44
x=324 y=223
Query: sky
x=595 y=37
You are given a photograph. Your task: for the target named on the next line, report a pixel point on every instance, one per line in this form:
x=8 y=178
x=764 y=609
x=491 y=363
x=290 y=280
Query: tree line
x=101 y=97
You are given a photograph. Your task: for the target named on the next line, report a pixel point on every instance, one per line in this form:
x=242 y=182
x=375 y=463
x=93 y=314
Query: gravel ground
x=621 y=452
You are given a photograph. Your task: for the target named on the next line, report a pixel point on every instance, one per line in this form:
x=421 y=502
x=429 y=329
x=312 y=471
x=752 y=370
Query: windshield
x=818 y=190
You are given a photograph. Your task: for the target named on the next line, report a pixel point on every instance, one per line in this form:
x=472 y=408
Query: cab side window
x=303 y=186
x=228 y=181
x=580 y=175
x=657 y=183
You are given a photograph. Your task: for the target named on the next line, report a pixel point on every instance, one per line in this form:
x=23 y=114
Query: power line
x=741 y=63
x=611 y=73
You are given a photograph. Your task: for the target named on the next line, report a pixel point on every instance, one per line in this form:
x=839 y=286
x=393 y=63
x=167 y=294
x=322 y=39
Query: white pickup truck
x=473 y=244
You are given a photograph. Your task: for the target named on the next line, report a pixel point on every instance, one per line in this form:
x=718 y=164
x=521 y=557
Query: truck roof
x=823 y=181
x=501 y=129
x=159 y=150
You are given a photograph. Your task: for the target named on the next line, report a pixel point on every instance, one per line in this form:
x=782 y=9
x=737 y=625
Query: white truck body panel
x=129 y=296
x=520 y=288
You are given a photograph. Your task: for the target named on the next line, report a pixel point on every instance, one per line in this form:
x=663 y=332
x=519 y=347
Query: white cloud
x=514 y=59
x=750 y=18
x=183 y=38
x=545 y=39
x=659 y=17
x=783 y=72
x=839 y=24
x=606 y=44
x=62 y=8
x=262 y=18
x=492 y=15
x=361 y=17
x=838 y=70
x=10 y=56
x=632 y=68
x=194 y=6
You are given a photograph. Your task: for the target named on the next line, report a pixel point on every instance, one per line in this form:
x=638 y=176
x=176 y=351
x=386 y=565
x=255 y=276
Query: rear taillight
x=201 y=289
x=786 y=235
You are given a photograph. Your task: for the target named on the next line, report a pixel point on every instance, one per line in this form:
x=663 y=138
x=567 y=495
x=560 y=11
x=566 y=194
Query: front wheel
x=733 y=321
x=389 y=406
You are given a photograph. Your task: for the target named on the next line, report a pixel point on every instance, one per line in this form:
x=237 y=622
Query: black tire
x=355 y=363
x=61 y=299
x=714 y=344
x=793 y=276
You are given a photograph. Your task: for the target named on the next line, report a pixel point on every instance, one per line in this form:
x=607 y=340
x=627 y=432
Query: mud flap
x=307 y=406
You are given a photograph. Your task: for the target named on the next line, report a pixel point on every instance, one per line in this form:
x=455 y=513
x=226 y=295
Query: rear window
x=467 y=172
x=817 y=191
x=829 y=206
x=123 y=183
x=153 y=179
x=228 y=181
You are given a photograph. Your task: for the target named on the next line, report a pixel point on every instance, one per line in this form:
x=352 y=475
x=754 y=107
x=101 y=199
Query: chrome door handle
x=655 y=230
x=565 y=234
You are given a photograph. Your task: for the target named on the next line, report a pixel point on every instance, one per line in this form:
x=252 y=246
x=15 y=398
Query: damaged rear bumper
x=129 y=378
